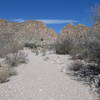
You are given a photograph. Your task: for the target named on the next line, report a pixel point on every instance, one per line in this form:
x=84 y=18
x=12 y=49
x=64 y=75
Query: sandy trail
x=42 y=80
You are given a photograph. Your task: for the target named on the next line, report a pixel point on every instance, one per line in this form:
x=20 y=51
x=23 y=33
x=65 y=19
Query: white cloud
x=48 y=21
x=19 y=20
x=54 y=21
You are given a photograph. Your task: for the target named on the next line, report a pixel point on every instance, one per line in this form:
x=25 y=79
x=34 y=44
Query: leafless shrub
x=96 y=13
x=85 y=71
x=16 y=58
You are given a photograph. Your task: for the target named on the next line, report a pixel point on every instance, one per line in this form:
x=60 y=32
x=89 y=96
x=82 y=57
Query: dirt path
x=42 y=80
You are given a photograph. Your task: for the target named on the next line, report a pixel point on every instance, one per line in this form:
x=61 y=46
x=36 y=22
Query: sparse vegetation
x=8 y=64
x=85 y=52
x=16 y=59
x=87 y=73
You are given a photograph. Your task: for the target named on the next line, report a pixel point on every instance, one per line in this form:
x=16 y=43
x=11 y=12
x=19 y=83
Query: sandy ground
x=41 y=79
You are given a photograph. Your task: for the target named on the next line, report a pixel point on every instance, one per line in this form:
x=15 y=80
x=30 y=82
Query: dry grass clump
x=5 y=72
x=8 y=64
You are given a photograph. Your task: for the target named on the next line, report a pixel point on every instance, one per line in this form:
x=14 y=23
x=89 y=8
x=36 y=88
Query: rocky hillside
x=27 y=31
x=96 y=30
x=12 y=33
x=74 y=32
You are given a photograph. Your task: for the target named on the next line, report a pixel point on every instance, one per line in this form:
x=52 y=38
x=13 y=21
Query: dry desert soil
x=41 y=79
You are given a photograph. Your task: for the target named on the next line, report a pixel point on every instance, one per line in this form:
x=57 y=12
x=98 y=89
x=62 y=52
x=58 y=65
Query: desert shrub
x=16 y=58
x=88 y=73
x=94 y=50
x=85 y=49
x=76 y=66
x=88 y=70
x=5 y=72
x=96 y=13
x=30 y=45
x=8 y=63
x=77 y=48
x=63 y=47
x=85 y=71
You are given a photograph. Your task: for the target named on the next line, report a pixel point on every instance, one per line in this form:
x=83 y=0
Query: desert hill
x=74 y=32
x=14 y=35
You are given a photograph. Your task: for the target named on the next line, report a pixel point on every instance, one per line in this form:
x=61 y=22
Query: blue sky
x=55 y=13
